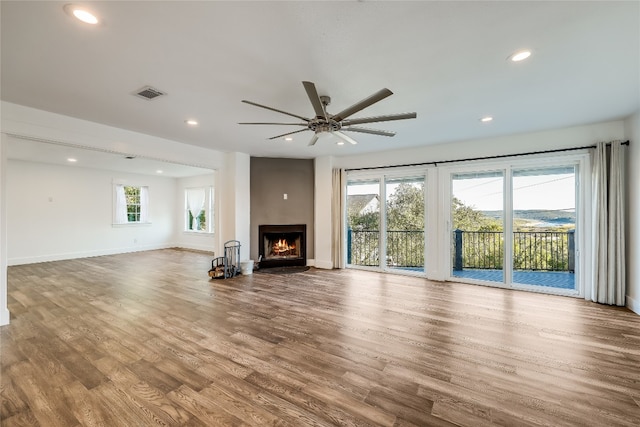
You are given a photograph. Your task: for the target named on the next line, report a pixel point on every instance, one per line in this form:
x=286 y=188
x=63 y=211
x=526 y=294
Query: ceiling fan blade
x=312 y=93
x=269 y=123
x=314 y=139
x=276 y=110
x=371 y=131
x=344 y=137
x=386 y=118
x=288 y=133
x=378 y=96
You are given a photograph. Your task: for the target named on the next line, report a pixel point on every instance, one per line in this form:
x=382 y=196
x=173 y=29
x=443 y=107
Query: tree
x=466 y=218
x=363 y=212
x=405 y=207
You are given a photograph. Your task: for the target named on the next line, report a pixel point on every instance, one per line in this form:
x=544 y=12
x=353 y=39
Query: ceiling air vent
x=149 y=93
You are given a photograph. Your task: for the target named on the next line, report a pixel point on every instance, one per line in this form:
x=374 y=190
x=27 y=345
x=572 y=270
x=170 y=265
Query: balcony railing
x=532 y=250
x=404 y=248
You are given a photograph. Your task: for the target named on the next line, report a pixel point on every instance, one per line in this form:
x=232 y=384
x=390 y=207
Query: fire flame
x=283 y=246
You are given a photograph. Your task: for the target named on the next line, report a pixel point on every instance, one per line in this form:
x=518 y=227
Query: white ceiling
x=59 y=154
x=447 y=61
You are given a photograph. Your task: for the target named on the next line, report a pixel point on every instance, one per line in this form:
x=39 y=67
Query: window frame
x=116 y=221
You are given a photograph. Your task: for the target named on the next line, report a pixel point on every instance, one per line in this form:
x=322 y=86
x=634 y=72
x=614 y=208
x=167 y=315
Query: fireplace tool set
x=228 y=265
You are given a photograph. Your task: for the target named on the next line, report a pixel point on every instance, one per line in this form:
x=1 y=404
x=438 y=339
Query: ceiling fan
x=335 y=123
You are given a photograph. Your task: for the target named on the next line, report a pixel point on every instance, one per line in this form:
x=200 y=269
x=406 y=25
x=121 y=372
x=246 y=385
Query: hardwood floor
x=147 y=339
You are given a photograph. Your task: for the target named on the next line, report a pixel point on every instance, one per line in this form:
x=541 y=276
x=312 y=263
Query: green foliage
x=468 y=219
x=132 y=196
x=363 y=212
x=201 y=221
x=405 y=208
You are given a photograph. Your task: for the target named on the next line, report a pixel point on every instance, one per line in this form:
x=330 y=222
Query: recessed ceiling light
x=520 y=55
x=191 y=122
x=81 y=13
x=486 y=119
x=158 y=171
x=288 y=138
x=340 y=143
x=72 y=160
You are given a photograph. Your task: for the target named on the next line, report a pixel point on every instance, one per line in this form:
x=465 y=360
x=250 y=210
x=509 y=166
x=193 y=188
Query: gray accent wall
x=271 y=179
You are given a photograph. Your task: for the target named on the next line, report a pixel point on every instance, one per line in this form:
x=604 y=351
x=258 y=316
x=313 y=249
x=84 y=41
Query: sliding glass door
x=386 y=222
x=515 y=227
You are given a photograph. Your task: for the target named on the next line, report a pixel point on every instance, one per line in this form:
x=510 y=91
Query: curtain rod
x=479 y=158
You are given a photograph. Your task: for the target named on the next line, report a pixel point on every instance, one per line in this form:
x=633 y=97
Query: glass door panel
x=405 y=210
x=363 y=223
x=477 y=218
x=544 y=225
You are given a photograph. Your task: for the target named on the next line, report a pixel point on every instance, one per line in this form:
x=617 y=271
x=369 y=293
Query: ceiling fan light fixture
x=520 y=55
x=81 y=14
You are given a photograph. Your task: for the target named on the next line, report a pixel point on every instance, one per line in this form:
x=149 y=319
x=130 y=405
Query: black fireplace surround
x=282 y=245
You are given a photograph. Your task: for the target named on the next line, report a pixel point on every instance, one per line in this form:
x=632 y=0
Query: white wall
x=63 y=212
x=632 y=131
x=537 y=141
x=4 y=311
x=235 y=204
x=322 y=212
x=187 y=239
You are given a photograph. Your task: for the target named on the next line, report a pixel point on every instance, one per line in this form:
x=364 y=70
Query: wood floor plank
x=205 y=409
x=42 y=399
x=148 y=339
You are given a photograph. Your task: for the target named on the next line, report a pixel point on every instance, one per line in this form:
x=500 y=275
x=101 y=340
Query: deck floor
x=550 y=279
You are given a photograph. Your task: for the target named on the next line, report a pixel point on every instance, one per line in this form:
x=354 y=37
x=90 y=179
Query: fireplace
x=282 y=245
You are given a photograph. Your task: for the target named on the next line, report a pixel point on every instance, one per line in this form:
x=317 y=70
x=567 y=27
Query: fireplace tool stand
x=224 y=267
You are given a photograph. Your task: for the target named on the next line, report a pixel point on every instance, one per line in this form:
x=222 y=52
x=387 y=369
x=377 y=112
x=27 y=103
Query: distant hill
x=546 y=217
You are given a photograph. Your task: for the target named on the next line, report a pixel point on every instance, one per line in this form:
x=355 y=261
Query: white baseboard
x=4 y=316
x=87 y=254
x=311 y=262
x=199 y=248
x=327 y=265
x=633 y=305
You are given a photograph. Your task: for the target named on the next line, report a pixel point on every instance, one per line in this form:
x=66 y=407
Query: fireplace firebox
x=282 y=245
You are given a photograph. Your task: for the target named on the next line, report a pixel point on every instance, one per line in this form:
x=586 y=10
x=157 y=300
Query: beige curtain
x=337 y=218
x=608 y=250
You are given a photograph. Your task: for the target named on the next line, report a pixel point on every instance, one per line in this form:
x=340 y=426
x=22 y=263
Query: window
x=132 y=204
x=198 y=204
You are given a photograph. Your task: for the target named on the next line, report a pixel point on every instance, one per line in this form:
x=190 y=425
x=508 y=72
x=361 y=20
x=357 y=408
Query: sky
x=543 y=192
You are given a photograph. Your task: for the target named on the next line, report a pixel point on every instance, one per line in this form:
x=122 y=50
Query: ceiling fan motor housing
x=320 y=124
